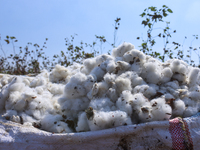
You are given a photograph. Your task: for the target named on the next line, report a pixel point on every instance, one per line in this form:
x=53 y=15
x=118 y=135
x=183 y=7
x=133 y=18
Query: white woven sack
x=174 y=134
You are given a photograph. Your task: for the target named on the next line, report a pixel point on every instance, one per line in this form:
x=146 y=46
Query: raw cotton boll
x=169 y=98
x=78 y=78
x=20 y=105
x=59 y=73
x=125 y=101
x=73 y=69
x=27 y=119
x=133 y=76
x=160 y=110
x=145 y=113
x=103 y=65
x=166 y=75
x=9 y=114
x=93 y=91
x=140 y=89
x=16 y=119
x=44 y=73
x=136 y=67
x=175 y=65
x=112 y=94
x=26 y=81
x=72 y=90
x=37 y=114
x=103 y=120
x=179 y=107
x=128 y=57
x=4 y=94
x=194 y=95
x=39 y=90
x=98 y=72
x=189 y=102
x=120 y=50
x=174 y=84
x=102 y=104
x=192 y=77
x=137 y=81
x=5 y=79
x=88 y=65
x=138 y=55
x=119 y=59
x=39 y=106
x=195 y=88
x=190 y=111
x=109 y=78
x=12 y=100
x=38 y=81
x=173 y=92
x=56 y=89
x=29 y=94
x=111 y=65
x=182 y=69
x=183 y=93
x=150 y=66
x=102 y=58
x=103 y=88
x=134 y=56
x=72 y=107
x=55 y=103
x=52 y=123
x=151 y=73
x=62 y=127
x=82 y=125
x=123 y=66
x=88 y=84
x=139 y=100
x=179 y=77
x=151 y=91
x=47 y=122
x=123 y=84
x=18 y=85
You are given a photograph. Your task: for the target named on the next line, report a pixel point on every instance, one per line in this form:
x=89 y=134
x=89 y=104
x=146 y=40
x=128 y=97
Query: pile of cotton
x=127 y=87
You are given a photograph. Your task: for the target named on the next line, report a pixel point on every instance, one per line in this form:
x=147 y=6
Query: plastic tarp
x=177 y=134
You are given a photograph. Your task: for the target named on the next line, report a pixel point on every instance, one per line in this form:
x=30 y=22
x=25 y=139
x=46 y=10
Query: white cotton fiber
x=179 y=107
x=127 y=87
x=194 y=95
x=192 y=77
x=73 y=90
x=190 y=111
x=54 y=124
x=88 y=65
x=59 y=74
x=119 y=51
x=123 y=84
x=103 y=120
x=166 y=75
x=125 y=101
x=98 y=72
x=160 y=110
x=112 y=94
x=88 y=84
x=102 y=104
x=82 y=124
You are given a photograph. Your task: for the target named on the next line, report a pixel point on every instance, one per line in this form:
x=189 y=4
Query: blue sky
x=35 y=20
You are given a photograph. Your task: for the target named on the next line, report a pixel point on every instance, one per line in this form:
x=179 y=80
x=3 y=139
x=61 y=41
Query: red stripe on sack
x=188 y=135
x=176 y=134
